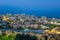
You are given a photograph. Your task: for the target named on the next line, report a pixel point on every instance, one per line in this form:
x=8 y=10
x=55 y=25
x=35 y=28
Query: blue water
x=30 y=11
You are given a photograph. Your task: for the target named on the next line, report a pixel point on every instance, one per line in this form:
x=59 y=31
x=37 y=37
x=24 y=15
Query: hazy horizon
x=49 y=8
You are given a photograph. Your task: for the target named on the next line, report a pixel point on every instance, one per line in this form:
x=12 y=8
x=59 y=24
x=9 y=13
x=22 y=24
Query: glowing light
x=26 y=29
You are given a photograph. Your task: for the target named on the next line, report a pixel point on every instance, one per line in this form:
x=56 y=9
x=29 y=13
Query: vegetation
x=51 y=26
x=17 y=37
x=25 y=37
x=6 y=37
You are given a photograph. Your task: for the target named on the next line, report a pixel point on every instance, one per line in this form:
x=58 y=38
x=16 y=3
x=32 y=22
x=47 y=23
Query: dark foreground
x=27 y=36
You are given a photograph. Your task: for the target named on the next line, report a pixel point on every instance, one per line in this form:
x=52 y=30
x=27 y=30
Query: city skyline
x=29 y=19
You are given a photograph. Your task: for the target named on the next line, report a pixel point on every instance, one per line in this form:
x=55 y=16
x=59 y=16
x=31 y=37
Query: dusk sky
x=35 y=6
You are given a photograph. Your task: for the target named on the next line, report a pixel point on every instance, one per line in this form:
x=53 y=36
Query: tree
x=18 y=37
x=4 y=37
x=25 y=37
x=11 y=37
